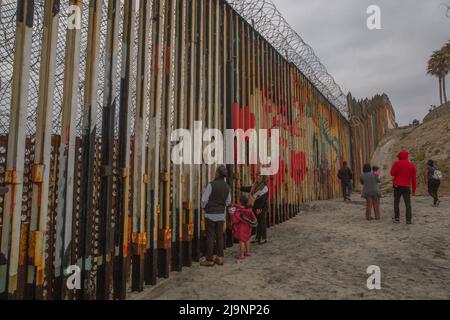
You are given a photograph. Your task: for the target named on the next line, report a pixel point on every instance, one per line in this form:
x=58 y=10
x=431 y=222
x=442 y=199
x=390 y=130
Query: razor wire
x=265 y=18
x=261 y=14
x=7 y=36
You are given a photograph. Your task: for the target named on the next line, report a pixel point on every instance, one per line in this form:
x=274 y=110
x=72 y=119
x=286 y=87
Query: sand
x=324 y=253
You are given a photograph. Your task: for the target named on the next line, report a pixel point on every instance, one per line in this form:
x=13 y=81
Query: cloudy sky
x=391 y=60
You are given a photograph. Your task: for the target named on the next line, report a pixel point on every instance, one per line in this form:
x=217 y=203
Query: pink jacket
x=244 y=221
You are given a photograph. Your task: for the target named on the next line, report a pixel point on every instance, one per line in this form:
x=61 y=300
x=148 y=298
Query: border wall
x=370 y=120
x=85 y=120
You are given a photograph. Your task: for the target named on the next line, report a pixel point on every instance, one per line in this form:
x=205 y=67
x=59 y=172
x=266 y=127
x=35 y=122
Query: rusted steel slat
x=178 y=193
x=209 y=73
x=197 y=104
x=42 y=153
x=89 y=131
x=10 y=242
x=139 y=176
x=106 y=245
x=165 y=228
x=123 y=188
x=227 y=98
x=190 y=116
x=153 y=208
x=66 y=156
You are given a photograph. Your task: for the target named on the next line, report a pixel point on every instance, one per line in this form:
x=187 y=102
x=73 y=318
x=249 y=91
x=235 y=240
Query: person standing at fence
x=371 y=192
x=404 y=173
x=345 y=174
x=215 y=200
x=244 y=221
x=433 y=177
x=259 y=197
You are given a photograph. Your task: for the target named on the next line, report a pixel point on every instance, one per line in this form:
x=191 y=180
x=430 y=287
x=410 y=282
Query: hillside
x=431 y=140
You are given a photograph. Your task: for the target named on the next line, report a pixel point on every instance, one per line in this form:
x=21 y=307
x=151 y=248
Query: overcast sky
x=391 y=60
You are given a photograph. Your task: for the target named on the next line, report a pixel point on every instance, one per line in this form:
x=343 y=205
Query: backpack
x=437 y=175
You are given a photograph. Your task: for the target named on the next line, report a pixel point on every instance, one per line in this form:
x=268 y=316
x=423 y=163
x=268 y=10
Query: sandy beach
x=324 y=253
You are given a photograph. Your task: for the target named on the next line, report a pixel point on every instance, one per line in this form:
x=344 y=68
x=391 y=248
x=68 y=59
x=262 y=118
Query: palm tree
x=446 y=51
x=438 y=67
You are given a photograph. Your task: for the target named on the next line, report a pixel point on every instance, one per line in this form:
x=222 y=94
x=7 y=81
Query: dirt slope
x=431 y=140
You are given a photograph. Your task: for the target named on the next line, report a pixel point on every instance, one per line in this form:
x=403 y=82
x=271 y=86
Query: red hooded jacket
x=244 y=221
x=404 y=172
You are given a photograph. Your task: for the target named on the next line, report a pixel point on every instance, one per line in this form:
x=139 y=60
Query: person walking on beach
x=215 y=200
x=244 y=221
x=345 y=174
x=259 y=194
x=404 y=175
x=371 y=192
x=434 y=177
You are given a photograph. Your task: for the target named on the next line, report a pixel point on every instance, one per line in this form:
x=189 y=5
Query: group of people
x=251 y=211
x=404 y=174
x=248 y=214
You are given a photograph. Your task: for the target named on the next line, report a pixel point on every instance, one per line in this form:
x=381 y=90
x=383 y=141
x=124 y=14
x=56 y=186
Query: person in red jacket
x=404 y=173
x=244 y=221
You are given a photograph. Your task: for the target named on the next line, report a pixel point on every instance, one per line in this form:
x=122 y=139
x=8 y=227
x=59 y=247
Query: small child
x=376 y=171
x=244 y=221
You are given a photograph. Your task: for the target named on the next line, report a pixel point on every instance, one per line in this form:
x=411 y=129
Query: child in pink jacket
x=244 y=221
x=376 y=171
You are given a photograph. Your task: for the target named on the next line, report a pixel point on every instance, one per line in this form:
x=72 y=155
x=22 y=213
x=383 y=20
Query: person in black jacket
x=215 y=200
x=433 y=184
x=260 y=194
x=346 y=176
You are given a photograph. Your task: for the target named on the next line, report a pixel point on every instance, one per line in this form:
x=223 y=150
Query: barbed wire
x=264 y=16
x=7 y=38
x=261 y=14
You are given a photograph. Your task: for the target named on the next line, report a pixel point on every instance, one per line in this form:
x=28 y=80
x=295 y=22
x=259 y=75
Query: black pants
x=404 y=192
x=214 y=234
x=433 y=188
x=261 y=229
